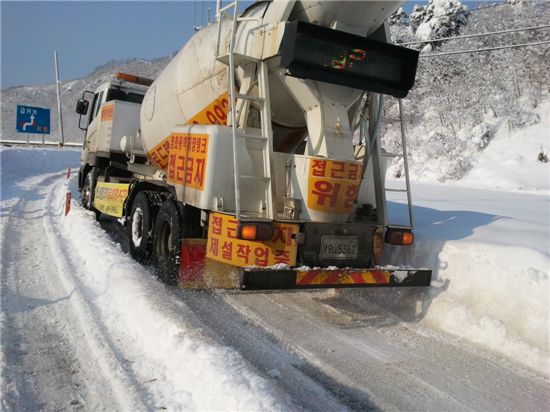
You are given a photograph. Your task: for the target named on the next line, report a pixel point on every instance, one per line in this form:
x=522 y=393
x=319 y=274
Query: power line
x=514 y=46
x=467 y=36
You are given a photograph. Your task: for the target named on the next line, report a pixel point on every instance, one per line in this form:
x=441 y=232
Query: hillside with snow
x=71 y=91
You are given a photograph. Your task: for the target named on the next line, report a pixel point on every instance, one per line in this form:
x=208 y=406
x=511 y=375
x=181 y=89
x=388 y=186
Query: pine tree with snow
x=438 y=19
x=399 y=17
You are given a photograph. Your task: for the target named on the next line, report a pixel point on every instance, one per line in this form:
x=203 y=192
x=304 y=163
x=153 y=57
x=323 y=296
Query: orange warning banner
x=107 y=113
x=214 y=113
x=187 y=159
x=224 y=246
x=333 y=185
x=342 y=277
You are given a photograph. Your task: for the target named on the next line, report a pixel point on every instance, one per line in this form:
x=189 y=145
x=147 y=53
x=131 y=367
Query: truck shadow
x=434 y=228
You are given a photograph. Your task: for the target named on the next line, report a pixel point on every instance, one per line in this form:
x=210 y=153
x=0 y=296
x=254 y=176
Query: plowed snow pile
x=487 y=237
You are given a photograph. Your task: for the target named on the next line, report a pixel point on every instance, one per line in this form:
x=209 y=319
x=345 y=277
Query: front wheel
x=88 y=187
x=166 y=241
x=140 y=226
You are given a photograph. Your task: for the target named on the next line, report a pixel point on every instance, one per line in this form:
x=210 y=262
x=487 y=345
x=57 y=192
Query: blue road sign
x=33 y=120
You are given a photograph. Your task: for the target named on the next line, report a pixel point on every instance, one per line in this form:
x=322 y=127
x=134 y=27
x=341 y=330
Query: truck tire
x=167 y=235
x=88 y=187
x=140 y=225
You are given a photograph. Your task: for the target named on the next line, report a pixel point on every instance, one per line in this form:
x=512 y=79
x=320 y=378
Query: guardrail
x=37 y=143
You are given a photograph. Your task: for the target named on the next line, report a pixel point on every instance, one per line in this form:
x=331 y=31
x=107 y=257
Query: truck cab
x=105 y=132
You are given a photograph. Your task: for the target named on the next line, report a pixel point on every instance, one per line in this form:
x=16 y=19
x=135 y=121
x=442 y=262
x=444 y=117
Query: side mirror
x=82 y=107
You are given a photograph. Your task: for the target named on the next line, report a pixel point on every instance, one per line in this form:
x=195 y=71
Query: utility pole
x=61 y=138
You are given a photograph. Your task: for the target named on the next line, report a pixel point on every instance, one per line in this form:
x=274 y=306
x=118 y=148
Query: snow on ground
x=489 y=250
x=490 y=255
x=487 y=236
x=148 y=348
x=510 y=161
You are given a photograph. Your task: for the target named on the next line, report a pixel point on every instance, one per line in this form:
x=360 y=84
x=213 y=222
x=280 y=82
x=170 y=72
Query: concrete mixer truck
x=253 y=160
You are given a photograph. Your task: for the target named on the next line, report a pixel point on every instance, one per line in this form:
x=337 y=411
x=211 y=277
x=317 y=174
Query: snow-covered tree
x=438 y=19
x=398 y=17
x=460 y=102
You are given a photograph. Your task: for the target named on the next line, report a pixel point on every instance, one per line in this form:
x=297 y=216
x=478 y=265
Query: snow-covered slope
x=512 y=162
x=461 y=102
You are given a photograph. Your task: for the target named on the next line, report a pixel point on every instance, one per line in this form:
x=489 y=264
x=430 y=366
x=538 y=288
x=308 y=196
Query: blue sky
x=89 y=34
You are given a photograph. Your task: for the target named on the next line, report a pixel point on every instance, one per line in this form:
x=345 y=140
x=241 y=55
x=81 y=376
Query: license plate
x=339 y=247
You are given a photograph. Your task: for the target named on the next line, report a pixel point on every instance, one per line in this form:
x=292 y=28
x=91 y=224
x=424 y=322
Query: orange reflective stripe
x=381 y=277
x=341 y=277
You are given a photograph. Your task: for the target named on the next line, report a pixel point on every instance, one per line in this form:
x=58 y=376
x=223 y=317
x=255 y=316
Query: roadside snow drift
x=487 y=238
x=125 y=327
x=490 y=255
x=185 y=371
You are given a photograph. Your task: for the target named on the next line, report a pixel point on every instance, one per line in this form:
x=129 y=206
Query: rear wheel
x=167 y=235
x=140 y=226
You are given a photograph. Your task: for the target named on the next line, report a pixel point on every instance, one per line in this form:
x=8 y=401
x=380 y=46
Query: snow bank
x=157 y=333
x=489 y=247
x=510 y=160
x=491 y=257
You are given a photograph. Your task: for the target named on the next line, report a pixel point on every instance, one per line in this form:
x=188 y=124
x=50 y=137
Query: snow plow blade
x=340 y=278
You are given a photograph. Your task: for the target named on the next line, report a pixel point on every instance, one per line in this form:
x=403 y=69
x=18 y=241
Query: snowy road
x=85 y=327
x=363 y=357
x=56 y=353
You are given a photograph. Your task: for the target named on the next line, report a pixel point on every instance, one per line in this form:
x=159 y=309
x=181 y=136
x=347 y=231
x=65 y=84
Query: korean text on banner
x=333 y=185
x=110 y=197
x=224 y=246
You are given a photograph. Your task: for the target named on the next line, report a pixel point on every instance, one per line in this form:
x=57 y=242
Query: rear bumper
x=197 y=271
x=338 y=278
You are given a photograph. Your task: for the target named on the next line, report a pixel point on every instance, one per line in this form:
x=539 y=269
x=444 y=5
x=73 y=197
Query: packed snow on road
x=83 y=325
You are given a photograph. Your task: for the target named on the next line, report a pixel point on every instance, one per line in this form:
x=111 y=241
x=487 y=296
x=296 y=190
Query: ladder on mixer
x=407 y=189
x=256 y=71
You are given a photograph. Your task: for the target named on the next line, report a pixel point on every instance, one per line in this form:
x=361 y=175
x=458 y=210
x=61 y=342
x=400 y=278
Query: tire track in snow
x=308 y=386
x=124 y=387
x=19 y=312
x=395 y=365
x=52 y=348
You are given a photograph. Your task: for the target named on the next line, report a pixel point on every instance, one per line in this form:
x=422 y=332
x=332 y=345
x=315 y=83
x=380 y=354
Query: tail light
x=401 y=237
x=255 y=231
